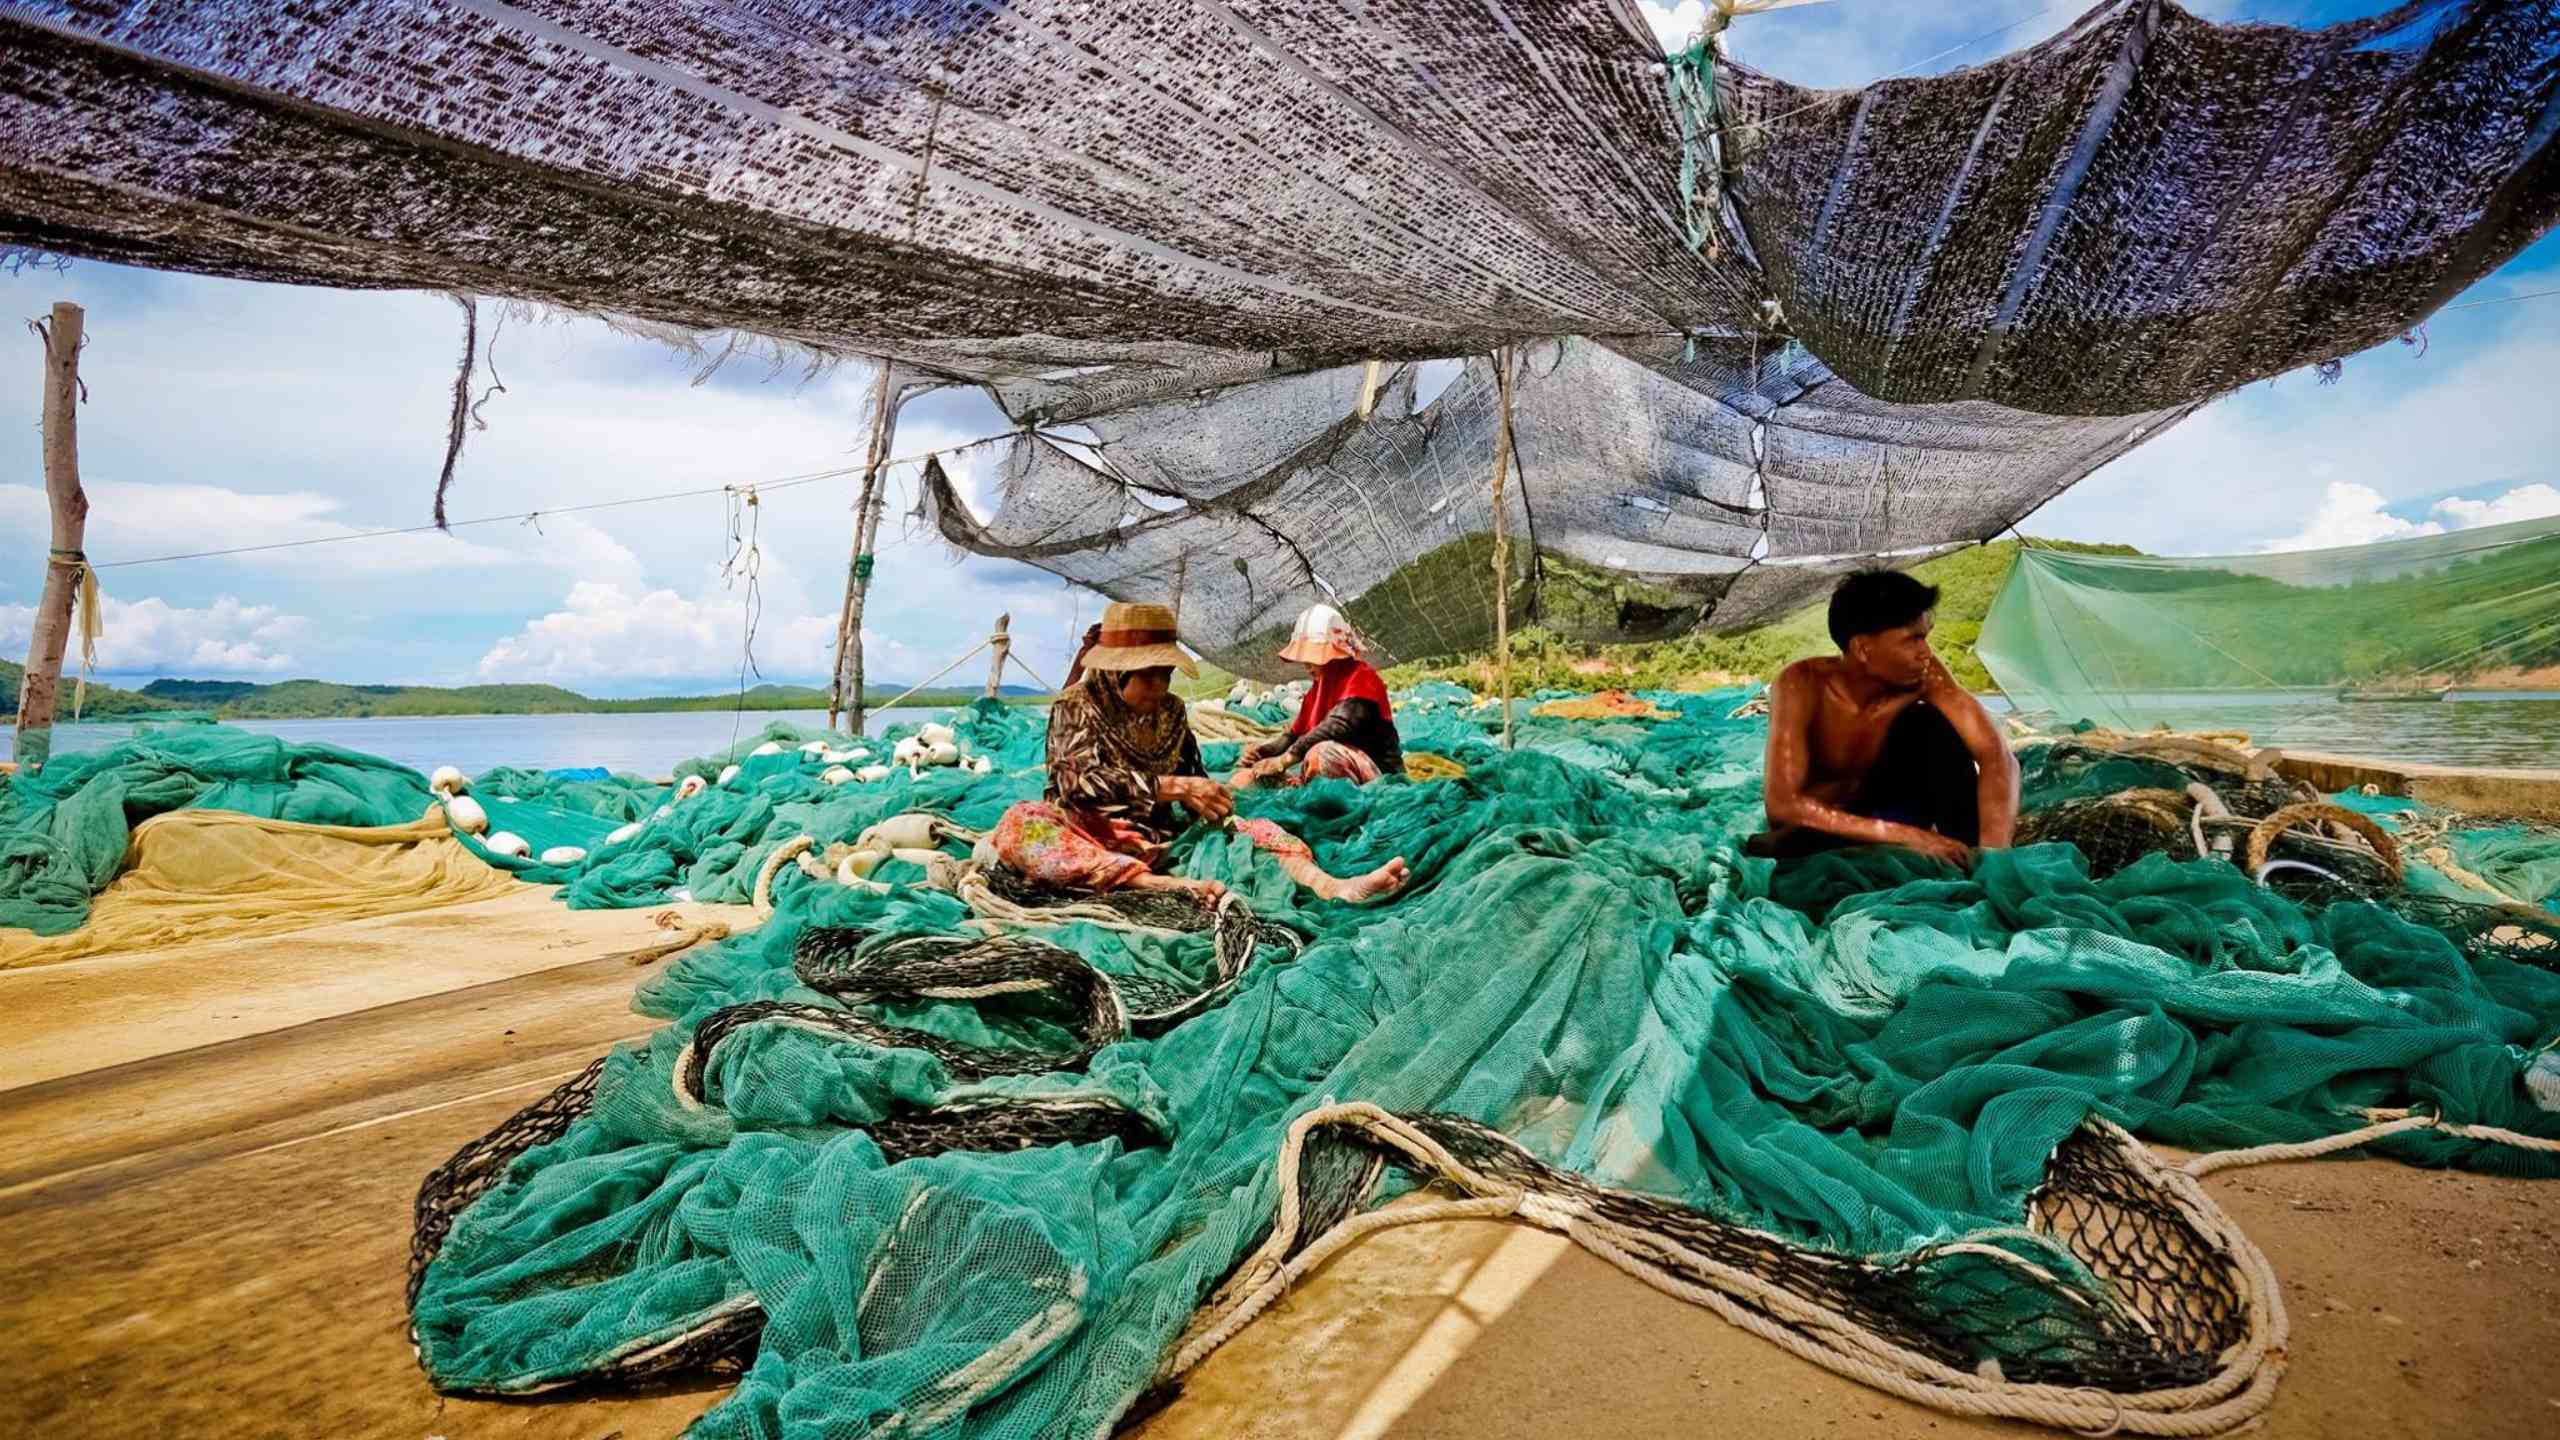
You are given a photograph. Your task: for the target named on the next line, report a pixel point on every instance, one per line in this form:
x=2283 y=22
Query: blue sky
x=223 y=413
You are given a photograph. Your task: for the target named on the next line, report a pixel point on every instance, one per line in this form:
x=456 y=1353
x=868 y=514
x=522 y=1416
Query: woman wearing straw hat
x=1346 y=729
x=1121 y=758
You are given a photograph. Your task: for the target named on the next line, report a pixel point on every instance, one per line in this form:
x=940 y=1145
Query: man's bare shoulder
x=1809 y=674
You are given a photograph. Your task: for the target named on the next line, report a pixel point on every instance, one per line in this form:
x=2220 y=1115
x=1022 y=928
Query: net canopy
x=901 y=1168
x=2125 y=640
x=1655 y=485
x=1015 y=189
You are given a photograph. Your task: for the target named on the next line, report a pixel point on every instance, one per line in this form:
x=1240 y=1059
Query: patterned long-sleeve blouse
x=1105 y=758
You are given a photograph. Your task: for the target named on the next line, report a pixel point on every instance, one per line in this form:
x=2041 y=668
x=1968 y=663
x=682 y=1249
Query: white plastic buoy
x=448 y=781
x=917 y=857
x=691 y=786
x=626 y=832
x=859 y=865
x=729 y=774
x=834 y=775
x=856 y=753
x=464 y=814
x=911 y=831
x=980 y=765
x=507 y=843
x=909 y=751
x=870 y=773
x=936 y=734
x=770 y=747
x=814 y=747
x=2542 y=1080
x=563 y=855
x=942 y=753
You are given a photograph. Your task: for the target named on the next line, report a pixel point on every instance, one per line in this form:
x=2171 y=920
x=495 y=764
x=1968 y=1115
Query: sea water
x=649 y=744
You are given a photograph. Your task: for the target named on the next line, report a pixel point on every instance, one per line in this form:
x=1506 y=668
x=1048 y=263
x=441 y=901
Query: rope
x=686 y=937
x=2389 y=1123
x=938 y=674
x=773 y=863
x=2237 y=1394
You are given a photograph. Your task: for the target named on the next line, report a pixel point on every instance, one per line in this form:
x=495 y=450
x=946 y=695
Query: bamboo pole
x=1002 y=640
x=39 y=689
x=843 y=697
x=1502 y=538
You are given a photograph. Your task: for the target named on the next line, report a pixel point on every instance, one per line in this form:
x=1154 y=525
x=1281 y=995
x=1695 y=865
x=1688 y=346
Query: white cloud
x=152 y=637
x=2525 y=502
x=1675 y=25
x=2353 y=514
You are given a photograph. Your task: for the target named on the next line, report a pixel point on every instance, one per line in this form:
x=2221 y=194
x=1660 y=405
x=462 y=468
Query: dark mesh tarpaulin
x=1657 y=486
x=1761 y=333
x=2144 y=211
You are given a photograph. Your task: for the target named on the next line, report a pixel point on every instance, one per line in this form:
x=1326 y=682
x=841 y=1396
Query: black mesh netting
x=2139 y=213
x=1658 y=484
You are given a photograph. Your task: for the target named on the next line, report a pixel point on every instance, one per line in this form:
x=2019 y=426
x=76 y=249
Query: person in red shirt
x=1346 y=727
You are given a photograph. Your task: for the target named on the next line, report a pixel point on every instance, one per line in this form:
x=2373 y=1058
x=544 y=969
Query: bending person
x=1879 y=745
x=1121 y=758
x=1346 y=729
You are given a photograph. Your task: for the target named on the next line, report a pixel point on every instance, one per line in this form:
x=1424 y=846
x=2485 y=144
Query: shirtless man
x=1879 y=745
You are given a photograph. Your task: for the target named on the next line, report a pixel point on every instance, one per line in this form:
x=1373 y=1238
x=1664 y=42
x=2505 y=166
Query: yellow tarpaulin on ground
x=195 y=875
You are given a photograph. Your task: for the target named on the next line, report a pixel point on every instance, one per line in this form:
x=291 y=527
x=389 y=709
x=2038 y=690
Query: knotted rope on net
x=2128 y=1303
x=722 y=1337
x=1211 y=724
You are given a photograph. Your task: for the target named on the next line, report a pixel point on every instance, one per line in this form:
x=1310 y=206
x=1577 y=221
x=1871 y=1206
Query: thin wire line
x=784 y=483
x=2500 y=300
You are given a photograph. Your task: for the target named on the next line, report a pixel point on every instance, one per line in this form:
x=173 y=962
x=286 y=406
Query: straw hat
x=1321 y=636
x=1137 y=637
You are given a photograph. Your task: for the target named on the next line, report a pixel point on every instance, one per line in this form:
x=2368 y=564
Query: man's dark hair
x=1872 y=600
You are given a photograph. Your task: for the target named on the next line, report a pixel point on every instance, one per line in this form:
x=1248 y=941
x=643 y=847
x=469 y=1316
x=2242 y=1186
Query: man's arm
x=1996 y=792
x=1792 y=705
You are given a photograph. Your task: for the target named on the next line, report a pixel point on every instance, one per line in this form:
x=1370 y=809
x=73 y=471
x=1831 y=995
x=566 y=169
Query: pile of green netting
x=709 y=845
x=974 y=1205
x=64 y=831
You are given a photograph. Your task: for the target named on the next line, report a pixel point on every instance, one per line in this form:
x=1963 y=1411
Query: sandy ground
x=206 y=1170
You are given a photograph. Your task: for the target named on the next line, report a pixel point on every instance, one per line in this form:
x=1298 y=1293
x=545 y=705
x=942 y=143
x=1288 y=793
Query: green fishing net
x=2131 y=640
x=64 y=830
x=1855 y=1060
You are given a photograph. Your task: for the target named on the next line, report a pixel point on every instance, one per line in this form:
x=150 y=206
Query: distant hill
x=327 y=699
x=104 y=700
x=1966 y=579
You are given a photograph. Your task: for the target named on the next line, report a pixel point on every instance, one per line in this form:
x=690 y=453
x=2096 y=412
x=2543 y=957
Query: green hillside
x=104 y=700
x=329 y=700
x=1967 y=580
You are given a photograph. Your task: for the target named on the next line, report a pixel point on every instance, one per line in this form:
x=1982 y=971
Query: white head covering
x=1322 y=635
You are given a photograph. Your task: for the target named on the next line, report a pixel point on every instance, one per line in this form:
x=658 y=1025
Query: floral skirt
x=1042 y=843
x=1331 y=760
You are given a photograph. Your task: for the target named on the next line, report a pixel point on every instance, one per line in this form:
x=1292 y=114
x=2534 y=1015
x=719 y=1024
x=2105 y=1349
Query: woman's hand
x=1203 y=797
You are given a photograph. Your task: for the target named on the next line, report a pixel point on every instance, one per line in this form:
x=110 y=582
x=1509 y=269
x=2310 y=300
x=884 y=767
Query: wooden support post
x=845 y=695
x=1002 y=640
x=41 y=686
x=1502 y=538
